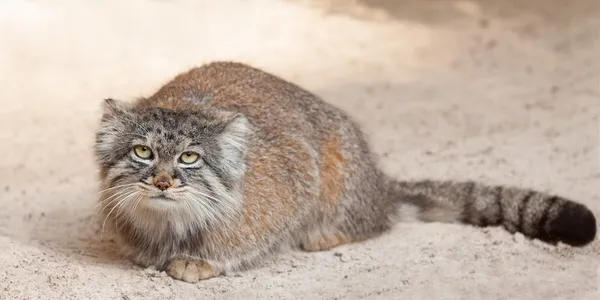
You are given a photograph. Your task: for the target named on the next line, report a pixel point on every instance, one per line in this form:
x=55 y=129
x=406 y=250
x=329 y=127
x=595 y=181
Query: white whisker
x=139 y=199
x=200 y=208
x=110 y=212
x=105 y=202
x=116 y=187
x=216 y=209
x=222 y=204
x=120 y=207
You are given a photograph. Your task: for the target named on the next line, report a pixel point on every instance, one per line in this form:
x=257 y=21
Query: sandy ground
x=500 y=91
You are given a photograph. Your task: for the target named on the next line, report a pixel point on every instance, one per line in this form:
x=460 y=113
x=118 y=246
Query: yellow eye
x=189 y=157
x=142 y=152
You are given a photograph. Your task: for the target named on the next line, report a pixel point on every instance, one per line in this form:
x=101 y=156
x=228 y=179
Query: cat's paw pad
x=191 y=270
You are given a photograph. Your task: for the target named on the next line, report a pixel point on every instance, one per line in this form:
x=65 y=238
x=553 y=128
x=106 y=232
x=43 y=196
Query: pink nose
x=162 y=185
x=162 y=181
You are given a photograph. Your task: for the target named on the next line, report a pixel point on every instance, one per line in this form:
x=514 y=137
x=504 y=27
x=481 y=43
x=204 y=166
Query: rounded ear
x=233 y=141
x=237 y=128
x=115 y=115
x=113 y=108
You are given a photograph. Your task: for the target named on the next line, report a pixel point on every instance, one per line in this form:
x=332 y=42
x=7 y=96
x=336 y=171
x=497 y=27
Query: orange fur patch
x=260 y=212
x=332 y=172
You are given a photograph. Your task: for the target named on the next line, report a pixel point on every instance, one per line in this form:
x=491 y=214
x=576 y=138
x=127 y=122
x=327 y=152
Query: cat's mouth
x=161 y=197
x=157 y=195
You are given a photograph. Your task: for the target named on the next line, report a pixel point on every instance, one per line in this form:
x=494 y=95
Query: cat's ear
x=113 y=123
x=234 y=136
x=234 y=142
x=114 y=108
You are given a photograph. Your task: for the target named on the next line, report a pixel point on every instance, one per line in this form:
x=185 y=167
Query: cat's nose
x=162 y=185
x=162 y=181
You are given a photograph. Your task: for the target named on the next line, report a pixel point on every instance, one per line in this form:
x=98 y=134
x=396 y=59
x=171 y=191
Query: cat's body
x=278 y=168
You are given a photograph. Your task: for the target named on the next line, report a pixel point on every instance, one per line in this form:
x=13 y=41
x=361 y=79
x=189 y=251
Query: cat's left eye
x=189 y=157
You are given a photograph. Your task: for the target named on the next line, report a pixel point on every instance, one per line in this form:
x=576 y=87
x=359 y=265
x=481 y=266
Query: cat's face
x=155 y=158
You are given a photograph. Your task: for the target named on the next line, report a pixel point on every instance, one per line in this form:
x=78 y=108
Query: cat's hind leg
x=322 y=241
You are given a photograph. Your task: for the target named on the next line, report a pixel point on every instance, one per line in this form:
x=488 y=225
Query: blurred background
x=504 y=91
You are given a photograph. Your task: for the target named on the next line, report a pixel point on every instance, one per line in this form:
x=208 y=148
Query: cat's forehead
x=179 y=122
x=164 y=126
x=165 y=118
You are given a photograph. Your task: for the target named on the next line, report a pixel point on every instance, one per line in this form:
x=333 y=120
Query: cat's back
x=268 y=101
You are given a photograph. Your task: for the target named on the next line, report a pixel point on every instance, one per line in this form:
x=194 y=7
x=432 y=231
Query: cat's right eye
x=142 y=152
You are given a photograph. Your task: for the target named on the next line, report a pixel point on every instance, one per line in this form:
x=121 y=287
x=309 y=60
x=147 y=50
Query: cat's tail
x=535 y=214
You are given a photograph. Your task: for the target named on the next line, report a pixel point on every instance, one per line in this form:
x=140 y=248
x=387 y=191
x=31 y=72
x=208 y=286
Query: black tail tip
x=574 y=225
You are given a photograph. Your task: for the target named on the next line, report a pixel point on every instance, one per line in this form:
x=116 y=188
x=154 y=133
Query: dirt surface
x=500 y=91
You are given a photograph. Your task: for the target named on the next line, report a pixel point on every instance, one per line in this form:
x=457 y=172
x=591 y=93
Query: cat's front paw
x=191 y=270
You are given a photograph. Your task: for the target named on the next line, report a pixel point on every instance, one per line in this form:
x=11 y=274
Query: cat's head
x=168 y=160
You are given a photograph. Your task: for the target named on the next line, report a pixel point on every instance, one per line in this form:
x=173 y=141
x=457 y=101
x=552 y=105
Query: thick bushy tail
x=546 y=217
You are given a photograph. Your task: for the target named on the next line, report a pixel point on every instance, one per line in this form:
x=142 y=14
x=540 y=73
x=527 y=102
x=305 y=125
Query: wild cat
x=226 y=165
